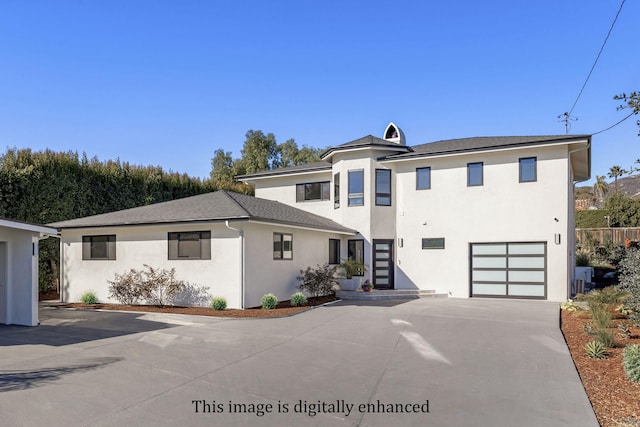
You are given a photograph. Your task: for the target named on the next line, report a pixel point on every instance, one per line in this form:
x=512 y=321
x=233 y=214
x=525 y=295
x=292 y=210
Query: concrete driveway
x=467 y=362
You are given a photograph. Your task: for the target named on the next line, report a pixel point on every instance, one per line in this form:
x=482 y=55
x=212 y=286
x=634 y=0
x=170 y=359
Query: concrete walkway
x=468 y=362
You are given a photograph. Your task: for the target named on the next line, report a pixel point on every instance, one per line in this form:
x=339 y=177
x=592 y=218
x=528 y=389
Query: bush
x=269 y=301
x=570 y=306
x=608 y=295
x=631 y=362
x=582 y=259
x=606 y=338
x=629 y=269
x=89 y=298
x=596 y=350
x=601 y=314
x=156 y=286
x=298 y=299
x=218 y=303
x=624 y=330
x=318 y=281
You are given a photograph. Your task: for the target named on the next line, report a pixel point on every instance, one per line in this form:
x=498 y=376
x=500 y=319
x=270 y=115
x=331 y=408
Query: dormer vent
x=394 y=134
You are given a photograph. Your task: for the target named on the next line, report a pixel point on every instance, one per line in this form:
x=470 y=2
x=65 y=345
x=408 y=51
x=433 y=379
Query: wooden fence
x=602 y=236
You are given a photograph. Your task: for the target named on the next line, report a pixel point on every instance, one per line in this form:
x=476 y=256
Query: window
x=474 y=174
x=334 y=251
x=312 y=191
x=99 y=247
x=355 y=251
x=282 y=246
x=190 y=245
x=433 y=243
x=356 y=188
x=383 y=187
x=336 y=190
x=528 y=169
x=423 y=178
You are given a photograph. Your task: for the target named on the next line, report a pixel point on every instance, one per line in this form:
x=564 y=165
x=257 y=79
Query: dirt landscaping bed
x=283 y=308
x=614 y=397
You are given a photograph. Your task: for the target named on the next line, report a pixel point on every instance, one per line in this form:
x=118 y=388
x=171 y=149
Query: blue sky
x=168 y=82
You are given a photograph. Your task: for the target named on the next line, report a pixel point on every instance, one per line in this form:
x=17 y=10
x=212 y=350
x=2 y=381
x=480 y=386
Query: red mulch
x=283 y=308
x=614 y=397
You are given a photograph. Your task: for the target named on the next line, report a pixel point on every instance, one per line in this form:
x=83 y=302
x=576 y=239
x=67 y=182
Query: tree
x=259 y=153
x=614 y=173
x=624 y=211
x=291 y=155
x=600 y=189
x=631 y=101
x=222 y=166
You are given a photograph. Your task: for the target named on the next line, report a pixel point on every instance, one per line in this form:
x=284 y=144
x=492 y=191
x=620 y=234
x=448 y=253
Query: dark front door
x=383 y=264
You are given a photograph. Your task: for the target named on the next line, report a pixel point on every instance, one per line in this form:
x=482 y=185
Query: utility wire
x=597 y=57
x=614 y=125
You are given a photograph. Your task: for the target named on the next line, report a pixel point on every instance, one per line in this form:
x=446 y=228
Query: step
x=381 y=294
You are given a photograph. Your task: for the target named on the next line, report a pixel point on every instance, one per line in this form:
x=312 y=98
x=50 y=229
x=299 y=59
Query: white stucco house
x=471 y=217
x=19 y=242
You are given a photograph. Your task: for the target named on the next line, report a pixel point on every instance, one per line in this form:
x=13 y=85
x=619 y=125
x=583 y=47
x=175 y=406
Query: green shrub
x=582 y=259
x=629 y=269
x=608 y=295
x=156 y=286
x=318 y=281
x=624 y=310
x=601 y=315
x=596 y=350
x=624 y=330
x=631 y=362
x=570 y=306
x=89 y=298
x=298 y=299
x=269 y=301
x=218 y=303
x=606 y=338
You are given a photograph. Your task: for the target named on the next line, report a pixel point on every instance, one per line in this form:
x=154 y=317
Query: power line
x=613 y=125
x=597 y=57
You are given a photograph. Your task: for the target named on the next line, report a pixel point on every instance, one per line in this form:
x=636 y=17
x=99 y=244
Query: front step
x=381 y=294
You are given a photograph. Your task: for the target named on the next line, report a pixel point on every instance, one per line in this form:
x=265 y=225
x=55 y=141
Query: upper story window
x=282 y=246
x=190 y=245
x=336 y=190
x=528 y=172
x=99 y=247
x=313 y=191
x=383 y=187
x=356 y=187
x=474 y=174
x=423 y=178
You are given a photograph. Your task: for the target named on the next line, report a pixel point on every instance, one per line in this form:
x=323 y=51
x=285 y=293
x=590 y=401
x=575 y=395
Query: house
x=472 y=217
x=19 y=271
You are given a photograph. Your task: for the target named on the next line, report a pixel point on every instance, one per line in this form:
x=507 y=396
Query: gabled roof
x=462 y=145
x=216 y=206
x=310 y=167
x=365 y=142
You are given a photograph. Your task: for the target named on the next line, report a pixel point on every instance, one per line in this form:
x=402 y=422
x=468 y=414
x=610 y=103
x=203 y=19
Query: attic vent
x=394 y=134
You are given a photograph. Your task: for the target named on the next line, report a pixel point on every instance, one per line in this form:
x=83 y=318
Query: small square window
x=528 y=172
x=474 y=174
x=99 y=247
x=190 y=245
x=282 y=246
x=423 y=178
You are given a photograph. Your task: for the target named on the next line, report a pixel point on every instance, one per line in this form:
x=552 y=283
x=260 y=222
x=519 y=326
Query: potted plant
x=366 y=285
x=349 y=268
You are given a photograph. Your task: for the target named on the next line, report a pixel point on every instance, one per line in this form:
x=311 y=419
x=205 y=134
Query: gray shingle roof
x=366 y=141
x=216 y=206
x=451 y=146
x=310 y=167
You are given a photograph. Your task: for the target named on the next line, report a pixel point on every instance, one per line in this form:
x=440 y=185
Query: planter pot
x=349 y=284
x=367 y=288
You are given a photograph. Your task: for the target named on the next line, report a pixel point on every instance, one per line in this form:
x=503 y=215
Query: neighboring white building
x=473 y=217
x=19 y=271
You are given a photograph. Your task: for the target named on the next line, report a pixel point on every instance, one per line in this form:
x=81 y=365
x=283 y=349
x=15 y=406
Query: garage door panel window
x=489 y=289
x=526 y=290
x=526 y=262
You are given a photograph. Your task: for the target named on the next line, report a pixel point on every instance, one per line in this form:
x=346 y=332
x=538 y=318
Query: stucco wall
x=501 y=210
x=19 y=277
x=136 y=246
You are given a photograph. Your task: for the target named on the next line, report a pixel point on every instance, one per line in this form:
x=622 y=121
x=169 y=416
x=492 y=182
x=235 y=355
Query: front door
x=383 y=264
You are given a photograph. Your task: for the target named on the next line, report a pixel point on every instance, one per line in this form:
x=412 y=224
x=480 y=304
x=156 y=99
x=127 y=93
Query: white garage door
x=513 y=270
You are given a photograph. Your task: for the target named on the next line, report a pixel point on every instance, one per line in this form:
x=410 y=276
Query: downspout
x=242 y=275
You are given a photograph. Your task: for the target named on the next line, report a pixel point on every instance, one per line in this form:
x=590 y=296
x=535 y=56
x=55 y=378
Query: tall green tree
x=600 y=189
x=623 y=210
x=222 y=166
x=259 y=152
x=615 y=172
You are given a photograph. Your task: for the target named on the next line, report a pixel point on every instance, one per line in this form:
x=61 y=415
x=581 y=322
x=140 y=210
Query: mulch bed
x=283 y=308
x=614 y=397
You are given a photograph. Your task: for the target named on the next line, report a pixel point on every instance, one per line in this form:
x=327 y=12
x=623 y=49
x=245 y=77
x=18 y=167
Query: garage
x=19 y=271
x=509 y=270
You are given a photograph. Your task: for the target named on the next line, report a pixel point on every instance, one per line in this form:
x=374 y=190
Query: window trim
x=428 y=170
x=324 y=189
x=87 y=247
x=535 y=169
x=355 y=244
x=335 y=259
x=469 y=165
x=173 y=249
x=384 y=173
x=282 y=251
x=351 y=196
